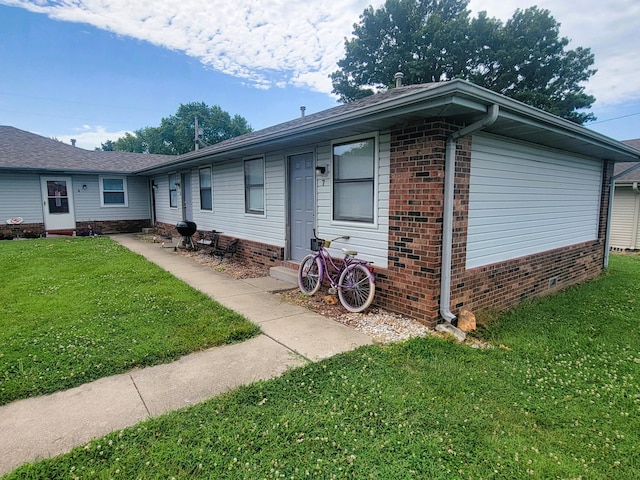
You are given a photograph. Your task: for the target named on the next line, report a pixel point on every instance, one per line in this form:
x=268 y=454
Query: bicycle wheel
x=356 y=288
x=309 y=274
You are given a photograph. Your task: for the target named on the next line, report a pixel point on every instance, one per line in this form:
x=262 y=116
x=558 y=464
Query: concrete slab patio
x=49 y=425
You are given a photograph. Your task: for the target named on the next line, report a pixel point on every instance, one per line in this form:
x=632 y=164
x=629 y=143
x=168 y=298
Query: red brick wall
x=411 y=283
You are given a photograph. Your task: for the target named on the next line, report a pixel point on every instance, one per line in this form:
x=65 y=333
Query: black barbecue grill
x=186 y=229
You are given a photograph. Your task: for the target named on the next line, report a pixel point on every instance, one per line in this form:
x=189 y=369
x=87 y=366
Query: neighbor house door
x=57 y=202
x=187 y=201
x=301 y=204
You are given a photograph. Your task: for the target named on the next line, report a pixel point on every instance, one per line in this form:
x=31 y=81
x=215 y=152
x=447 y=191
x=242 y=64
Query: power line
x=614 y=118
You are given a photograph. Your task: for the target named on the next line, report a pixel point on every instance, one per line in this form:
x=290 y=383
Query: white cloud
x=297 y=42
x=265 y=43
x=611 y=29
x=90 y=138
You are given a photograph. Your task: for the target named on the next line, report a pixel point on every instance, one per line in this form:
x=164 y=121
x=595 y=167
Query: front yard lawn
x=557 y=397
x=77 y=310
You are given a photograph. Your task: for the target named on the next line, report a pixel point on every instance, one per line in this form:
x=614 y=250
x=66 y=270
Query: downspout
x=447 y=218
x=636 y=216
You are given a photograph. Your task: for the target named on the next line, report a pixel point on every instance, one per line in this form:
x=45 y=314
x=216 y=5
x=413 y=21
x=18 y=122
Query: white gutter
x=447 y=218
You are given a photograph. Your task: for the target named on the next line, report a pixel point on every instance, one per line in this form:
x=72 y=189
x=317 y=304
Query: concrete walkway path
x=291 y=336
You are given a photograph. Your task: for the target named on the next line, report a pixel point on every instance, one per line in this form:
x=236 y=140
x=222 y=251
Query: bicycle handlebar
x=345 y=237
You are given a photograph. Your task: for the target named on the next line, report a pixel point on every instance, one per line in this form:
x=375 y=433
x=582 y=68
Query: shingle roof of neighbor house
x=457 y=99
x=25 y=151
x=632 y=168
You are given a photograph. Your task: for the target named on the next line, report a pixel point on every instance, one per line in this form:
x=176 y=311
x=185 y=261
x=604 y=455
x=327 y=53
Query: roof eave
x=476 y=100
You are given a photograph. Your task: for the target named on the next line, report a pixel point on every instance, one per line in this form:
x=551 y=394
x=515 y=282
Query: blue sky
x=95 y=69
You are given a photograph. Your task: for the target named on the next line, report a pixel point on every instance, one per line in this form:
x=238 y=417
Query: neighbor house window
x=353 y=180
x=113 y=192
x=173 y=190
x=254 y=186
x=206 y=202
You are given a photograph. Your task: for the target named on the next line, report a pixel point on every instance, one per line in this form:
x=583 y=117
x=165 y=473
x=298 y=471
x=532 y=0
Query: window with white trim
x=173 y=190
x=354 y=181
x=206 y=198
x=254 y=186
x=113 y=192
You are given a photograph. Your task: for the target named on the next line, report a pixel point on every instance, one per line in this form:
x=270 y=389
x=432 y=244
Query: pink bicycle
x=353 y=280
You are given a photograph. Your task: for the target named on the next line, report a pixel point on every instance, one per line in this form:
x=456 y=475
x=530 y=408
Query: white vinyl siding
x=625 y=219
x=21 y=197
x=88 y=201
x=229 y=217
x=228 y=214
x=526 y=199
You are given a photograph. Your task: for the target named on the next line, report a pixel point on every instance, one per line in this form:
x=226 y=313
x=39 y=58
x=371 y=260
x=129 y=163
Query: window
x=173 y=190
x=113 y=191
x=254 y=186
x=206 y=202
x=353 y=180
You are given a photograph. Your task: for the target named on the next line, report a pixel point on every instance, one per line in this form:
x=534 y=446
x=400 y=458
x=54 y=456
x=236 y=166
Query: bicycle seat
x=351 y=253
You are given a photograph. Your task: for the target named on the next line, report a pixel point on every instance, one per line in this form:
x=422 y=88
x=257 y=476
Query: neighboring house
x=625 y=219
x=462 y=197
x=56 y=188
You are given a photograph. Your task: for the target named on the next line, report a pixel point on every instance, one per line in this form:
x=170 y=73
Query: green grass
x=559 y=399
x=77 y=310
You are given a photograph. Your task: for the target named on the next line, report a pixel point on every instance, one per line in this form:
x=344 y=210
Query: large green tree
x=176 y=133
x=436 y=40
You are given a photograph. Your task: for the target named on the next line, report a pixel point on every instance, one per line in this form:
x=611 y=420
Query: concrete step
x=285 y=274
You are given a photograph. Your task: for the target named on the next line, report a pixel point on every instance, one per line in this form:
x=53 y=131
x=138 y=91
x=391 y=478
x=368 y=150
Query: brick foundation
x=114 y=226
x=22 y=230
x=250 y=252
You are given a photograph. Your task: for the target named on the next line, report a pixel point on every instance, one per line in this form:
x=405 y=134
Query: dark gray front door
x=301 y=203
x=187 y=204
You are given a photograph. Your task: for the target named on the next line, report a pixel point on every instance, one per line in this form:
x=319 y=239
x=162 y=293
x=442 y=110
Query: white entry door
x=57 y=199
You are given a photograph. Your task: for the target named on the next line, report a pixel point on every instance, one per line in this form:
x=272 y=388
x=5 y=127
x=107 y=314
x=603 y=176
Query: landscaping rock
x=449 y=329
x=466 y=321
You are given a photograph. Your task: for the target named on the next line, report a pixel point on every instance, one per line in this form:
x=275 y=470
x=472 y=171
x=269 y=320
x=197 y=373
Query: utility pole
x=196 y=139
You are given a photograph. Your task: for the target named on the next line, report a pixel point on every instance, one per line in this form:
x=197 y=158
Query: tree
x=108 y=146
x=176 y=133
x=437 y=40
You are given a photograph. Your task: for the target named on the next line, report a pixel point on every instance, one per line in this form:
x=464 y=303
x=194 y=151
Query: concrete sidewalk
x=291 y=336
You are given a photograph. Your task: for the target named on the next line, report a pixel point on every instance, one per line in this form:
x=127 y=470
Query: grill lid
x=186 y=228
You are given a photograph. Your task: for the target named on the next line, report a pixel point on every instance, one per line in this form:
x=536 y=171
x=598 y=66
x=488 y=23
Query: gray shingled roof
x=306 y=122
x=634 y=174
x=21 y=150
x=456 y=100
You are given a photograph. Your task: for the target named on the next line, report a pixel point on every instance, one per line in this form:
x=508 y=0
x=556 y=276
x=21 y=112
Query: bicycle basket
x=316 y=244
